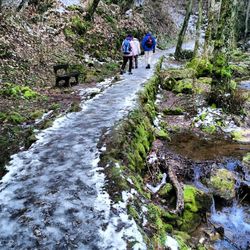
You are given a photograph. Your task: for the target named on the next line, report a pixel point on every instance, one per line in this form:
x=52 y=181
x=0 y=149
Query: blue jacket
x=143 y=43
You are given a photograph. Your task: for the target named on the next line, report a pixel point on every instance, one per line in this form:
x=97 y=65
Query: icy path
x=52 y=197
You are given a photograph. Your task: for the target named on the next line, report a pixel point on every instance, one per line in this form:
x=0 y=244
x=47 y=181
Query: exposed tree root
x=156 y=160
x=178 y=188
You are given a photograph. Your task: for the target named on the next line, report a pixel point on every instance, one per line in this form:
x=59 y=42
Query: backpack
x=126 y=47
x=149 y=42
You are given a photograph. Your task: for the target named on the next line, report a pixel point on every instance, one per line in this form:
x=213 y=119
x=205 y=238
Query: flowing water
x=52 y=196
x=236 y=223
x=235 y=219
x=245 y=85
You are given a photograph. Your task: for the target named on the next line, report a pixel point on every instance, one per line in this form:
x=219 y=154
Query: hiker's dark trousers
x=125 y=60
x=136 y=61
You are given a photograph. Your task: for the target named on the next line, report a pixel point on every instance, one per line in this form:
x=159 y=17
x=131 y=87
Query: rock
x=195 y=203
x=242 y=136
x=222 y=182
x=183 y=86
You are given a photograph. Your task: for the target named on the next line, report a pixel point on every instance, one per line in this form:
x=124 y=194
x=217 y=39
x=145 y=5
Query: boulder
x=222 y=182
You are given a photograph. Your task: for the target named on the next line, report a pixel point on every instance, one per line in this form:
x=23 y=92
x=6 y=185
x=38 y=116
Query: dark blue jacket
x=143 y=43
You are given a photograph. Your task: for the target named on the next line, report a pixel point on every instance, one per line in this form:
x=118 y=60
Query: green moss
x=79 y=25
x=205 y=80
x=138 y=183
x=246 y=158
x=201 y=66
x=236 y=135
x=16 y=118
x=179 y=74
x=17 y=91
x=132 y=212
x=183 y=86
x=164 y=191
x=3 y=116
x=209 y=129
x=182 y=244
x=55 y=106
x=223 y=182
x=36 y=114
x=190 y=193
x=173 y=111
x=189 y=221
x=162 y=134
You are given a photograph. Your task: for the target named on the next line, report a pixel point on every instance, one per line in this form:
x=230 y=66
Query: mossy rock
x=168 y=83
x=178 y=74
x=240 y=70
x=165 y=190
x=162 y=134
x=189 y=221
x=201 y=66
x=242 y=136
x=173 y=111
x=183 y=86
x=222 y=182
x=196 y=200
x=204 y=80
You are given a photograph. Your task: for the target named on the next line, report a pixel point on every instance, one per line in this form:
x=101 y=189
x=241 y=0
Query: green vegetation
x=17 y=91
x=223 y=183
x=202 y=67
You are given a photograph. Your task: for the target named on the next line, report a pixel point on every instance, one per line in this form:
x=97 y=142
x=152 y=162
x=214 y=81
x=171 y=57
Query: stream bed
x=234 y=217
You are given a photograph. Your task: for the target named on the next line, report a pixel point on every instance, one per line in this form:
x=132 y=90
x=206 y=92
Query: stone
x=222 y=182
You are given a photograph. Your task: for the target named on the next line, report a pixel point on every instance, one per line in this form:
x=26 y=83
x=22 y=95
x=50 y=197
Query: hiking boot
x=148 y=66
x=121 y=72
x=130 y=73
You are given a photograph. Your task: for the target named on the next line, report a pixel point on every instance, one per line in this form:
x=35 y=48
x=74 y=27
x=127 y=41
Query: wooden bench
x=63 y=77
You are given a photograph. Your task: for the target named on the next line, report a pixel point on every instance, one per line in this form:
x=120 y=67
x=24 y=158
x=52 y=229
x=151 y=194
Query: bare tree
x=183 y=29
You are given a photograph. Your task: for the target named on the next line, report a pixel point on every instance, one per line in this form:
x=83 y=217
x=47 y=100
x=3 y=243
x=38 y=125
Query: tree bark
x=183 y=29
x=221 y=75
x=247 y=19
x=208 y=34
x=91 y=8
x=198 y=29
x=178 y=186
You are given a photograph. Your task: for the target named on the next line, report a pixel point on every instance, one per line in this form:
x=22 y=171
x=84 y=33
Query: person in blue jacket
x=148 y=45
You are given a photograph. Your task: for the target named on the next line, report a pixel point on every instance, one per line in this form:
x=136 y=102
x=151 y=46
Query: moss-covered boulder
x=222 y=182
x=195 y=203
x=183 y=86
x=178 y=74
x=202 y=67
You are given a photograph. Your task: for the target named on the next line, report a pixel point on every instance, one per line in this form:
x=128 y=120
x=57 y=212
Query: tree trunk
x=198 y=29
x=208 y=34
x=183 y=29
x=246 y=21
x=233 y=25
x=221 y=72
x=91 y=8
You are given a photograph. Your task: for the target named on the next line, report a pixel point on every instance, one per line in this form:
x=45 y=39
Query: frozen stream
x=52 y=196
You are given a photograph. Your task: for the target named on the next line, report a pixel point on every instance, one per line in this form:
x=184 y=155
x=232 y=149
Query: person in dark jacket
x=128 y=51
x=148 y=45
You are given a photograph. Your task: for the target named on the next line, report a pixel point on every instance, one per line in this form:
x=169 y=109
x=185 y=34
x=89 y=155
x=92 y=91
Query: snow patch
x=158 y=187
